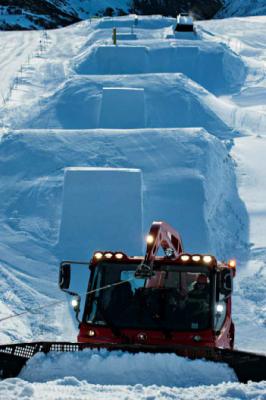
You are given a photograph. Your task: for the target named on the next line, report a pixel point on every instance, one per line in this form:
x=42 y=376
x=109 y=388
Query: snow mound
x=215 y=67
x=118 y=368
x=196 y=174
x=170 y=100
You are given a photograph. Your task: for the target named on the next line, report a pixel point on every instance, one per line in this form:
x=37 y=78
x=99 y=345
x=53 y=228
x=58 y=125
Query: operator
x=198 y=300
x=200 y=287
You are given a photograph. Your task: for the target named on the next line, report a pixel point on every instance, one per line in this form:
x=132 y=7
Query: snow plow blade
x=247 y=366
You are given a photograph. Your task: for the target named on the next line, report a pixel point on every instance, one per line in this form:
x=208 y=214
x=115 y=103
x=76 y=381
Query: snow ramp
x=154 y=101
x=213 y=66
x=188 y=180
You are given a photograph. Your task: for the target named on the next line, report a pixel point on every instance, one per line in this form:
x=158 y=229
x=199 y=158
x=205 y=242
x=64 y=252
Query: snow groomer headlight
x=108 y=255
x=149 y=239
x=119 y=256
x=219 y=308
x=207 y=259
x=75 y=303
x=98 y=255
x=185 y=257
x=196 y=258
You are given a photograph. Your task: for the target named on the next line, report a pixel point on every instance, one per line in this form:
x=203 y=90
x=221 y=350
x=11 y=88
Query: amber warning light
x=232 y=263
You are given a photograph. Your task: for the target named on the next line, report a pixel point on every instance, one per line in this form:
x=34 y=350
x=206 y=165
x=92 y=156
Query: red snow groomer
x=175 y=299
x=172 y=303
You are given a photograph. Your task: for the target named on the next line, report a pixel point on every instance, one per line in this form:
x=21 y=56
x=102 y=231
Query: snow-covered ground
x=190 y=113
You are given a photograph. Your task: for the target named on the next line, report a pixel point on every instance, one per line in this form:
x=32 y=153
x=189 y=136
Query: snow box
x=122 y=108
x=102 y=209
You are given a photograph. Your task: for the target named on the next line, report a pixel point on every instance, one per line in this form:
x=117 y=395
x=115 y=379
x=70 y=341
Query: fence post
x=114 y=36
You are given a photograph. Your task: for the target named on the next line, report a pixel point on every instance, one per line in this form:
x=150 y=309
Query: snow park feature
x=78 y=102
x=122 y=108
x=83 y=188
x=193 y=58
x=201 y=154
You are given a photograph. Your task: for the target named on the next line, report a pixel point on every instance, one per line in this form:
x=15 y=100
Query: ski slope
x=189 y=112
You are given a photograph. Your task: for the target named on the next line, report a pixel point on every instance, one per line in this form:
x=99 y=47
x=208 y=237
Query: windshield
x=170 y=300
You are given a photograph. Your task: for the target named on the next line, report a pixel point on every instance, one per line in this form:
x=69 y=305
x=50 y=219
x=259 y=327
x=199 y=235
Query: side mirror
x=226 y=283
x=64 y=276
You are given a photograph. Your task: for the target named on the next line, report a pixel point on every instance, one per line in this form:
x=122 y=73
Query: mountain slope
x=242 y=8
x=29 y=14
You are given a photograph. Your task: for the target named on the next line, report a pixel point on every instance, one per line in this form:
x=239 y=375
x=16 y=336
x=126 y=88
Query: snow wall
x=122 y=108
x=102 y=210
x=213 y=66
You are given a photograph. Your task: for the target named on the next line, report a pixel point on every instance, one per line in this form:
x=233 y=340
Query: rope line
x=36 y=309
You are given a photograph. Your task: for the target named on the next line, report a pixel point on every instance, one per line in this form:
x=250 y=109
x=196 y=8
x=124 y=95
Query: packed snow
x=192 y=121
x=83 y=187
x=105 y=368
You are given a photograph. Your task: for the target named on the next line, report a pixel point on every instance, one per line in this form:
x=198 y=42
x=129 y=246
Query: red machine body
x=153 y=270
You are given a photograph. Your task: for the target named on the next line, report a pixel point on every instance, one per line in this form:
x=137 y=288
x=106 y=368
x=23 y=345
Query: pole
x=114 y=36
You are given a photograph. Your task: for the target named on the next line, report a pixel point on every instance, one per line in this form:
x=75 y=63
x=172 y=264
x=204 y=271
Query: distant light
x=207 y=259
x=108 y=255
x=232 y=263
x=219 y=308
x=150 y=239
x=74 y=303
x=91 y=333
x=98 y=255
x=119 y=256
x=185 y=257
x=196 y=258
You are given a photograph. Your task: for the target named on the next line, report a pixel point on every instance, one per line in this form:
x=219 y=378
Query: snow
x=190 y=115
x=82 y=229
x=122 y=108
x=72 y=388
x=195 y=58
x=100 y=367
